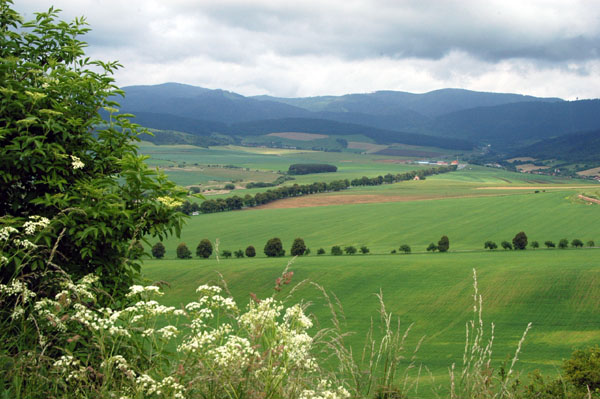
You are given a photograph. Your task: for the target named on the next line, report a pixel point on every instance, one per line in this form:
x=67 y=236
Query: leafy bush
x=577 y=243
x=443 y=244
x=65 y=167
x=226 y=253
x=204 y=249
x=491 y=245
x=183 y=252
x=274 y=248
x=250 y=251
x=549 y=244
x=350 y=250
x=591 y=243
x=336 y=250
x=298 y=247
x=405 y=248
x=432 y=247
x=563 y=243
x=534 y=244
x=239 y=253
x=158 y=250
x=520 y=241
x=364 y=250
x=321 y=251
x=506 y=245
x=583 y=369
x=229 y=186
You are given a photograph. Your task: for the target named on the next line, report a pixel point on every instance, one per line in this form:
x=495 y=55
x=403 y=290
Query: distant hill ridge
x=448 y=118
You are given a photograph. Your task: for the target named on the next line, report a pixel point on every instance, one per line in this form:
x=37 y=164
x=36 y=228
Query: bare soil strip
x=594 y=200
x=299 y=136
x=310 y=201
x=534 y=187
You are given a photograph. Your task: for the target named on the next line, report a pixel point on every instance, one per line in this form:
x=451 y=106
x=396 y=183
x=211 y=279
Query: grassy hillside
x=555 y=290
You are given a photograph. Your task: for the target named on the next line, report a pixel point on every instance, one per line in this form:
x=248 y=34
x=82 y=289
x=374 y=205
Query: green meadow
x=556 y=290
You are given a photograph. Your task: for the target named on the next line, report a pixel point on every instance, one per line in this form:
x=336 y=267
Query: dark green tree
x=239 y=253
x=336 y=250
x=298 y=247
x=320 y=251
x=491 y=245
x=563 y=243
x=250 y=251
x=274 y=248
x=204 y=248
x=432 y=247
x=226 y=253
x=350 y=250
x=183 y=252
x=364 y=250
x=520 y=240
x=405 y=248
x=549 y=244
x=443 y=244
x=62 y=162
x=583 y=369
x=534 y=244
x=307 y=252
x=591 y=243
x=506 y=245
x=577 y=243
x=158 y=250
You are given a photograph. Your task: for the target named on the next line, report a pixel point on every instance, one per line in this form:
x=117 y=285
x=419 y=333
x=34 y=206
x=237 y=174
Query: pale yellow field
x=299 y=136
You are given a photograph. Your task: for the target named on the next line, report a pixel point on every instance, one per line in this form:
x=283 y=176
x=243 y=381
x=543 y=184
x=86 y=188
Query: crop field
x=555 y=290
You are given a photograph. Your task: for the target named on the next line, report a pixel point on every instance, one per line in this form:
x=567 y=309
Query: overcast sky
x=295 y=48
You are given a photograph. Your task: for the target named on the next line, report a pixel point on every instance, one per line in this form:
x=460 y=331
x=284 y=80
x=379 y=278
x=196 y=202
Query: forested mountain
x=458 y=118
x=575 y=147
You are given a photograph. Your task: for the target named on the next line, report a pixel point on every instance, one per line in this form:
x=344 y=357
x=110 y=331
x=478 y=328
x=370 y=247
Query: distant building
x=417 y=178
x=454 y=162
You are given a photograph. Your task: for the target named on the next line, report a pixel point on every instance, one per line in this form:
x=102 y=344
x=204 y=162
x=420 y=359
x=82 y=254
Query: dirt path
x=326 y=200
x=589 y=199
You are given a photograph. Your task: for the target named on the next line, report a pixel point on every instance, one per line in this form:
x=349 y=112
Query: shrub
x=239 y=253
x=226 y=254
x=158 y=250
x=307 y=252
x=591 y=243
x=364 y=250
x=75 y=174
x=250 y=251
x=491 y=245
x=320 y=251
x=229 y=186
x=549 y=244
x=506 y=245
x=520 y=241
x=393 y=251
x=298 y=247
x=443 y=244
x=583 y=369
x=336 y=250
x=274 y=248
x=563 y=243
x=183 y=252
x=577 y=243
x=534 y=244
x=350 y=250
x=405 y=248
x=432 y=247
x=195 y=190
x=204 y=249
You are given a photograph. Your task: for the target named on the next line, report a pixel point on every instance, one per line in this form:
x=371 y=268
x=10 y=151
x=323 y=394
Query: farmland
x=554 y=289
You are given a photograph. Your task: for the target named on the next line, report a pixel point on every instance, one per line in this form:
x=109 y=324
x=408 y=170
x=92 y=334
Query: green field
x=555 y=290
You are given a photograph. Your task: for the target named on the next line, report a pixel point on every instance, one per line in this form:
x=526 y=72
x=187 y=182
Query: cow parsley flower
x=76 y=162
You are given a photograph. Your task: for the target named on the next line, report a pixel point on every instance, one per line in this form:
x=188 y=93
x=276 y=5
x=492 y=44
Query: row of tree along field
x=235 y=202
x=274 y=247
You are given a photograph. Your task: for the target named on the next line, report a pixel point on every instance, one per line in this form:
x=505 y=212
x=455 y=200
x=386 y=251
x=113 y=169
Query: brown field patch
x=327 y=200
x=590 y=172
x=368 y=147
x=589 y=199
x=557 y=187
x=521 y=159
x=528 y=167
x=299 y=136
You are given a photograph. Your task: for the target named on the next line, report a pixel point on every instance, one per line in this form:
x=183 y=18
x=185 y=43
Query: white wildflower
x=295 y=317
x=209 y=288
x=5 y=232
x=76 y=162
x=168 y=332
x=34 y=224
x=139 y=289
x=3 y=260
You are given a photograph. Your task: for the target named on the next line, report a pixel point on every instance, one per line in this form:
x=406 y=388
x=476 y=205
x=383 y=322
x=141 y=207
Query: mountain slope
x=576 y=147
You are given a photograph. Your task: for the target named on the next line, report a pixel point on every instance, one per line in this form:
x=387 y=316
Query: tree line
x=236 y=202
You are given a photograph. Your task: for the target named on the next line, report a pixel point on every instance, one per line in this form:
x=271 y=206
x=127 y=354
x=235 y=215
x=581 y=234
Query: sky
x=299 y=48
